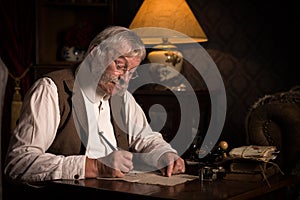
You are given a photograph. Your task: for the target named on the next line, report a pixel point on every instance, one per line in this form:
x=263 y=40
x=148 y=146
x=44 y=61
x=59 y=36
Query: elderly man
x=83 y=123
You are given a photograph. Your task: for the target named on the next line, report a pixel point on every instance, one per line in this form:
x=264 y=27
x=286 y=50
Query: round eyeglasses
x=122 y=67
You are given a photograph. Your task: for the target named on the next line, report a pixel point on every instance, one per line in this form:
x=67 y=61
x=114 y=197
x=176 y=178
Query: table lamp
x=173 y=15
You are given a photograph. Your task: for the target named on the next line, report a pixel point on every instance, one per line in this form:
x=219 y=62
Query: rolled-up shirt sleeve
x=26 y=158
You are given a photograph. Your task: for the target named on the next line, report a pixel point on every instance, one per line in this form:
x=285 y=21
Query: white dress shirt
x=96 y=113
x=27 y=159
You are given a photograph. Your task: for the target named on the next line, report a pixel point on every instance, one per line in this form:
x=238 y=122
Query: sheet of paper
x=155 y=178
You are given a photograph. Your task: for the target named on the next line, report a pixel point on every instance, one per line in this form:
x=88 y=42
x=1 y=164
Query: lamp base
x=167 y=63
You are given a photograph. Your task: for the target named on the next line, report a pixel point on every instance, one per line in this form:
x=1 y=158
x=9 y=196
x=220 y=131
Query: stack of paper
x=254 y=152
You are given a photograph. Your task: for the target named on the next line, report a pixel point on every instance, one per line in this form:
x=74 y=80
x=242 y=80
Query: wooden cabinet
x=56 y=18
x=174 y=118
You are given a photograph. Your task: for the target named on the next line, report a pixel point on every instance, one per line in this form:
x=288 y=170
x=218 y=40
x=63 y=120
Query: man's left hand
x=170 y=164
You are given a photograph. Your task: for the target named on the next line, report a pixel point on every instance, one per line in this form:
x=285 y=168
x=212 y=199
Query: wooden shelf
x=54 y=18
x=98 y=3
x=40 y=70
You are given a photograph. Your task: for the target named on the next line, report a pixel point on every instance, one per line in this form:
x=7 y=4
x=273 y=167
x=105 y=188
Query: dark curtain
x=17 y=21
x=17 y=33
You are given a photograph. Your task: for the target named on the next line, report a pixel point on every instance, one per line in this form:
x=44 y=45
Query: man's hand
x=116 y=164
x=171 y=163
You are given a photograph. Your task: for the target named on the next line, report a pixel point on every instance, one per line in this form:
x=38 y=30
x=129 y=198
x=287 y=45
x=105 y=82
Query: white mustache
x=116 y=80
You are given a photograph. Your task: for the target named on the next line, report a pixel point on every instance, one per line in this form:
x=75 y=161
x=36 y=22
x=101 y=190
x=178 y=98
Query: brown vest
x=72 y=134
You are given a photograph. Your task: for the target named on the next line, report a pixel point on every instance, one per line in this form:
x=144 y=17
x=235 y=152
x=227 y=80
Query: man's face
x=117 y=75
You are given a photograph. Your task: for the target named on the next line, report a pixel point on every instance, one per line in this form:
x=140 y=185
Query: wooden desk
x=218 y=189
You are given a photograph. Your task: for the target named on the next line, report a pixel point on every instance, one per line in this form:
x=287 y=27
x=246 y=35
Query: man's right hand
x=116 y=164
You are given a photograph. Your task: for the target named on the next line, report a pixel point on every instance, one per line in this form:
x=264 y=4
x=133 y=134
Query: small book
x=253 y=177
x=248 y=166
x=251 y=170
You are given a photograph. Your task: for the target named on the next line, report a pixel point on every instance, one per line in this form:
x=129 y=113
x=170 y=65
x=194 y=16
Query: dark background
x=254 y=45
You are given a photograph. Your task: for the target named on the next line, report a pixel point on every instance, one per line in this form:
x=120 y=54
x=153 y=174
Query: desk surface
x=218 y=189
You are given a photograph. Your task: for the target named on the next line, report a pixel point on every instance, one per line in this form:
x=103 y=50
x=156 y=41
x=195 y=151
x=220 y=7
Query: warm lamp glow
x=162 y=24
x=171 y=14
